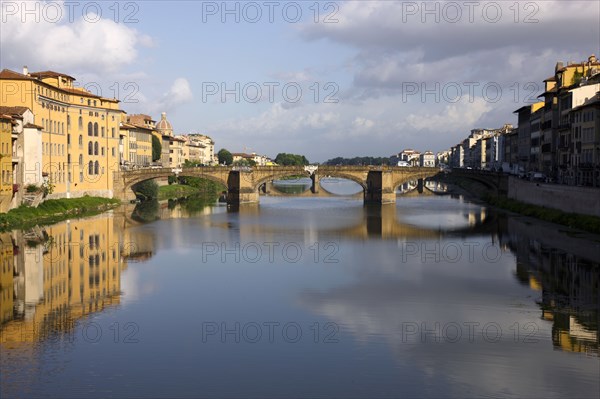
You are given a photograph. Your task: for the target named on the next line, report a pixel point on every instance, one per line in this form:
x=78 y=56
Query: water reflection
x=57 y=276
x=398 y=271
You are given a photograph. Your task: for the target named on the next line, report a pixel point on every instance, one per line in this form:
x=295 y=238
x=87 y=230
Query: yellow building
x=56 y=282
x=6 y=277
x=80 y=135
x=6 y=178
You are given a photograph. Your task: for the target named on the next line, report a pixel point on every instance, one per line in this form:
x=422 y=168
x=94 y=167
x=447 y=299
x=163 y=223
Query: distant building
x=427 y=159
x=164 y=131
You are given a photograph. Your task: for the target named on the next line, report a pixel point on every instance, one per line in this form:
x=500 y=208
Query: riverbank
x=480 y=192
x=53 y=211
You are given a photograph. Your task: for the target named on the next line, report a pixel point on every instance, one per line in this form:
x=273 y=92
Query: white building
x=427 y=159
x=26 y=151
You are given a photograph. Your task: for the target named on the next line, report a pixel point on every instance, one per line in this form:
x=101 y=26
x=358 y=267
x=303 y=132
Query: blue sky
x=369 y=58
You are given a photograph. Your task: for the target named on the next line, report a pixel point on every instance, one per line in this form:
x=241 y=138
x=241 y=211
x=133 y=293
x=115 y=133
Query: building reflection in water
x=53 y=277
x=59 y=275
x=568 y=284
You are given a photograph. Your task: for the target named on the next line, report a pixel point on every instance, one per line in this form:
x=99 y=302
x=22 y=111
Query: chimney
x=559 y=65
x=25 y=70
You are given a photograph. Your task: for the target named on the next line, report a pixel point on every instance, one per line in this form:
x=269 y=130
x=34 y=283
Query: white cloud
x=363 y=123
x=178 y=94
x=98 y=47
x=454 y=117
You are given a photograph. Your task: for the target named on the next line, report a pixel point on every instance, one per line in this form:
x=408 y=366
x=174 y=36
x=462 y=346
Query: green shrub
x=146 y=190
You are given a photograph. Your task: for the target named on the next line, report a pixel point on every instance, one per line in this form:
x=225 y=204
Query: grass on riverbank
x=583 y=222
x=53 y=211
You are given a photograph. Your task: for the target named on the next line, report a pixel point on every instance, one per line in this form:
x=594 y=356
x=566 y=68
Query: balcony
x=564 y=125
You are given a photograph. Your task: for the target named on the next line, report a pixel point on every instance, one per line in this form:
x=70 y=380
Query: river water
x=301 y=297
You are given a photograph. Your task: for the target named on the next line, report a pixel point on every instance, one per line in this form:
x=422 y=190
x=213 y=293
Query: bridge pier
x=240 y=189
x=314 y=188
x=380 y=188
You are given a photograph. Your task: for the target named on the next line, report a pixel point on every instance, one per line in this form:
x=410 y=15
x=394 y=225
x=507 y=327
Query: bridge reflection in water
x=53 y=278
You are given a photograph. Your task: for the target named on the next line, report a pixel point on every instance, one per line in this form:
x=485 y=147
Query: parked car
x=403 y=164
x=538 y=177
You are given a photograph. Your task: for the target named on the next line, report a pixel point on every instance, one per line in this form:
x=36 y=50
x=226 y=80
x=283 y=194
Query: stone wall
x=584 y=200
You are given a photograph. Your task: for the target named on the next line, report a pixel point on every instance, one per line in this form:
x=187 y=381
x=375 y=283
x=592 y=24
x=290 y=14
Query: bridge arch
x=131 y=178
x=342 y=175
x=274 y=174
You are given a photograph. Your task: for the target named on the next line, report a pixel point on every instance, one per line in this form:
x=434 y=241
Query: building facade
x=80 y=131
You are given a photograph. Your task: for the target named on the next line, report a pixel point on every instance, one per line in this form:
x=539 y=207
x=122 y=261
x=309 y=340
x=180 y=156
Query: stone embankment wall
x=583 y=200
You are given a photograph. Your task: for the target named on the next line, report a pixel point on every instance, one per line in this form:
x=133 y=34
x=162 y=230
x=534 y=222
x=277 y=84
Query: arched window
x=90 y=127
x=81 y=160
x=80 y=123
x=96 y=148
x=90 y=168
x=96 y=129
x=90 y=148
x=97 y=168
x=80 y=140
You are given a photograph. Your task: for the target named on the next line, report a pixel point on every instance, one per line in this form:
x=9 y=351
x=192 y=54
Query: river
x=436 y=296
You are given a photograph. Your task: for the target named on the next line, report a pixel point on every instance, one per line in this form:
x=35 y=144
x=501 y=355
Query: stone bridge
x=242 y=184
x=496 y=182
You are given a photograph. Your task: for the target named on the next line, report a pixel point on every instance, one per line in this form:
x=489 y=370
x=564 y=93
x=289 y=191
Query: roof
x=8 y=74
x=578 y=64
x=134 y=126
x=80 y=92
x=50 y=74
x=550 y=79
x=13 y=110
x=32 y=125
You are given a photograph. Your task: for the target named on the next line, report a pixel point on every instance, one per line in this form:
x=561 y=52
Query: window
x=113 y=151
x=90 y=129
x=96 y=148
x=80 y=122
x=112 y=131
x=80 y=141
x=90 y=148
x=102 y=151
x=90 y=168
x=96 y=129
x=68 y=139
x=97 y=167
x=102 y=130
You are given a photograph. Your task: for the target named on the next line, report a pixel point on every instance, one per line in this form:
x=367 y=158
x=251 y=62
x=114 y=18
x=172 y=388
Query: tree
x=156 y=148
x=225 y=157
x=290 y=159
x=146 y=190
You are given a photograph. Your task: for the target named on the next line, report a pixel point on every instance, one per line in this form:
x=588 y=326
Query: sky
x=318 y=78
